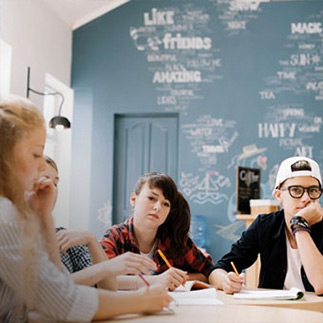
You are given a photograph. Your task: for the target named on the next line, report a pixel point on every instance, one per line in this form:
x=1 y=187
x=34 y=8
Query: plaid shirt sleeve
x=76 y=258
x=197 y=260
x=194 y=259
x=119 y=239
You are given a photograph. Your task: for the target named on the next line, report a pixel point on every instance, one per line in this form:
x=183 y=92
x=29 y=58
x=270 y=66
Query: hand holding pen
x=233 y=281
x=173 y=277
x=166 y=308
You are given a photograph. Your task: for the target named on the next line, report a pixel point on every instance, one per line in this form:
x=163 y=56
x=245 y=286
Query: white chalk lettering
x=276 y=130
x=161 y=58
x=284 y=62
x=184 y=76
x=233 y=25
x=267 y=95
x=304 y=151
x=161 y=100
x=249 y=177
x=203 y=62
x=158 y=17
x=182 y=92
x=306 y=46
x=216 y=122
x=303 y=59
x=212 y=149
x=179 y=42
x=293 y=112
x=201 y=132
x=290 y=142
x=314 y=86
x=244 y=5
x=286 y=75
x=306 y=28
x=309 y=128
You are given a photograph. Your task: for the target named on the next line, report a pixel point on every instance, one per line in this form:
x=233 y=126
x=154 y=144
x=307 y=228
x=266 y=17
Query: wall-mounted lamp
x=58 y=122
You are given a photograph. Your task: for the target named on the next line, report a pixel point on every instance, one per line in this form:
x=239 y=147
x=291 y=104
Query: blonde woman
x=31 y=274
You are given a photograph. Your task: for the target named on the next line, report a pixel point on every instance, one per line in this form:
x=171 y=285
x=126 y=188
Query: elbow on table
x=319 y=290
x=318 y=285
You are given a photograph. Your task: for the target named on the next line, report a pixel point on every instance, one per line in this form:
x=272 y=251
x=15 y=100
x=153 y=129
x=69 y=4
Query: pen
x=164 y=258
x=235 y=269
x=144 y=280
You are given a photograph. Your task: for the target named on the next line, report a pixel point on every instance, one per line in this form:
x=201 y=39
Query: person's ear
x=133 y=198
x=278 y=194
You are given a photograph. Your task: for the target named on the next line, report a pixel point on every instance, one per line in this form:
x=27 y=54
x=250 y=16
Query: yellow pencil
x=235 y=269
x=164 y=258
x=166 y=261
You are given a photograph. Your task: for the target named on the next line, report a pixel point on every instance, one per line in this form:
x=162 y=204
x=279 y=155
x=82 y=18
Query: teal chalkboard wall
x=245 y=77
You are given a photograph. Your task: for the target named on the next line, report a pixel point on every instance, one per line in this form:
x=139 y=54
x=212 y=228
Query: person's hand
x=172 y=278
x=312 y=213
x=67 y=239
x=130 y=263
x=154 y=298
x=232 y=283
x=42 y=197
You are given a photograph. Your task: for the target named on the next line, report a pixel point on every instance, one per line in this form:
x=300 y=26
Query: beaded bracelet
x=298 y=218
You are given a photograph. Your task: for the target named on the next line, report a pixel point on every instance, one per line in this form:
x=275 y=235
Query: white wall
x=41 y=40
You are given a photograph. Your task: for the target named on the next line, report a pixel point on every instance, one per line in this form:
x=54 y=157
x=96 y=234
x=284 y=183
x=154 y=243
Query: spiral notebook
x=286 y=294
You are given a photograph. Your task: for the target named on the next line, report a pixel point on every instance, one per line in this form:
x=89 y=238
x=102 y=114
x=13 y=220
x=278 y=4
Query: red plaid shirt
x=120 y=238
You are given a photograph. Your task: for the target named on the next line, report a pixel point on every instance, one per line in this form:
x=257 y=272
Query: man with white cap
x=289 y=241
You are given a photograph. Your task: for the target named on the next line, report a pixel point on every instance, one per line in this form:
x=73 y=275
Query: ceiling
x=79 y=12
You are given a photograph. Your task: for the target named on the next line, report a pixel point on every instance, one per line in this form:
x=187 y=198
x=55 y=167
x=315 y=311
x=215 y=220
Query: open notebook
x=287 y=294
x=192 y=285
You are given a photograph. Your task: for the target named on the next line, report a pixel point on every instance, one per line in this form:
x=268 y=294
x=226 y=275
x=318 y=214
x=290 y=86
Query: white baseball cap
x=285 y=170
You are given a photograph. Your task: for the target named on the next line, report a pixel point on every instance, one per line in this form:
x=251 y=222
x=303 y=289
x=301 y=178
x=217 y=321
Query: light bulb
x=59 y=127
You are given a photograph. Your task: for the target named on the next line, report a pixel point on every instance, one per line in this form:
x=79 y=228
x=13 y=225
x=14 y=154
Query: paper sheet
x=206 y=296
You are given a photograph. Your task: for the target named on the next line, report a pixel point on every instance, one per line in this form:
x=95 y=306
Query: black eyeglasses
x=297 y=191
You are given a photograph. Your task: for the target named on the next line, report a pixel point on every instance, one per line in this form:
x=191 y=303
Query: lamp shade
x=59 y=122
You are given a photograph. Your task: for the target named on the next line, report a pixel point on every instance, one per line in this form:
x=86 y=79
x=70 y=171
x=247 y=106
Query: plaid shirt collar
x=162 y=246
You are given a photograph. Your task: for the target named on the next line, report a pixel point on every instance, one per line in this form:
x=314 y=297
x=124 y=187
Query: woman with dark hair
x=161 y=220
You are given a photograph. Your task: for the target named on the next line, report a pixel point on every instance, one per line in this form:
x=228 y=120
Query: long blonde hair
x=18 y=119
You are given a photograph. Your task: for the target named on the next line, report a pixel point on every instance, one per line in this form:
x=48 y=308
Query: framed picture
x=248 y=187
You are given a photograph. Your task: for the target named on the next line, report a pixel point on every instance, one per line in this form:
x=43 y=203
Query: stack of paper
x=206 y=296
